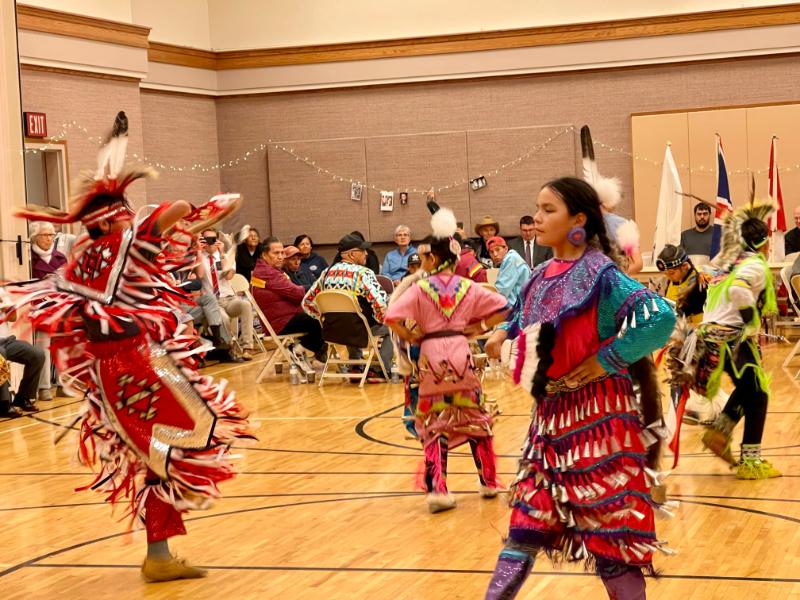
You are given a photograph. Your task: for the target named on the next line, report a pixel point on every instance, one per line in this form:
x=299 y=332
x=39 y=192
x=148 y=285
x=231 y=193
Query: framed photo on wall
x=387 y=201
x=356 y=190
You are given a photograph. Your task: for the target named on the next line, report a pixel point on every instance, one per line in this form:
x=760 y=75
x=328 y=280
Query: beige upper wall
x=242 y=24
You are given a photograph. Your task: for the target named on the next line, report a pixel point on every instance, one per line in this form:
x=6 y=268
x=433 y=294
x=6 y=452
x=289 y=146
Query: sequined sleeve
x=639 y=320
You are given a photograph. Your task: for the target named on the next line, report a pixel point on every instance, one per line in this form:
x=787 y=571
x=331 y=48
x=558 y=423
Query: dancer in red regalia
x=582 y=329
x=160 y=431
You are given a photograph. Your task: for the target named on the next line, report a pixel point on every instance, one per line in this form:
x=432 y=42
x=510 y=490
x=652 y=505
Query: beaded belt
x=563 y=385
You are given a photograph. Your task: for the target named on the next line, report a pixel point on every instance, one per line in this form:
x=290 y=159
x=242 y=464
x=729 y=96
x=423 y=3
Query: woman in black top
x=311 y=261
x=247 y=253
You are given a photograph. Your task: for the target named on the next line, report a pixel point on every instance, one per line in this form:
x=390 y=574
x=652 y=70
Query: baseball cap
x=495 y=241
x=350 y=241
x=290 y=251
x=414 y=259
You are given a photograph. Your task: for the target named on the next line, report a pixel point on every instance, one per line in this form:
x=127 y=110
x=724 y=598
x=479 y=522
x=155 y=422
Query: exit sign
x=35 y=124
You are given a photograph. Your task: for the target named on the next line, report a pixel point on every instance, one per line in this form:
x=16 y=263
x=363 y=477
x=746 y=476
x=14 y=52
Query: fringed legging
x=622 y=582
x=436 y=463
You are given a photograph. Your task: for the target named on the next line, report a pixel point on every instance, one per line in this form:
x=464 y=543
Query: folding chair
x=282 y=353
x=241 y=286
x=491 y=275
x=333 y=305
x=488 y=286
x=793 y=291
x=385 y=283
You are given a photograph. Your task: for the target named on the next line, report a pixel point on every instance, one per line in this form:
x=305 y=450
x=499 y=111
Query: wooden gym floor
x=324 y=508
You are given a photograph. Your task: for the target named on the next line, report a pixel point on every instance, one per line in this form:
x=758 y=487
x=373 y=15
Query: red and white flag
x=777 y=221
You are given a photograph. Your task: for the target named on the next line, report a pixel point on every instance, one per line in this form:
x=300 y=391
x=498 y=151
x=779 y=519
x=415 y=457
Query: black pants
x=748 y=400
x=23 y=353
x=310 y=327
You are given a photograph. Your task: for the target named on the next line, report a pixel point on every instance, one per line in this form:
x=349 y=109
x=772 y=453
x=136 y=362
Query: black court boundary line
x=362 y=433
x=33 y=561
x=419 y=570
x=398 y=493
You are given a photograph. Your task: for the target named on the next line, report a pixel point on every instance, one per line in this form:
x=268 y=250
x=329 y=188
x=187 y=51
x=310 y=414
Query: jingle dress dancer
x=446 y=310
x=583 y=488
x=160 y=430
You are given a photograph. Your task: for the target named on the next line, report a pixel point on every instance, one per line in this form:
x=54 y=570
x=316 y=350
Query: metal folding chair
x=342 y=302
x=241 y=287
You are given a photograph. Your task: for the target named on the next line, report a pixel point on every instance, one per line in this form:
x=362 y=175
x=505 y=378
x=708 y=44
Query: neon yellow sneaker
x=756 y=468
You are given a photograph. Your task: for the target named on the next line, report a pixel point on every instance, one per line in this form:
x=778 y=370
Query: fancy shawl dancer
x=740 y=292
x=447 y=310
x=160 y=430
x=582 y=326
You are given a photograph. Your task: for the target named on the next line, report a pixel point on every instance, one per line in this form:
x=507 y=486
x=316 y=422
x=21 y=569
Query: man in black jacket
x=32 y=358
x=526 y=246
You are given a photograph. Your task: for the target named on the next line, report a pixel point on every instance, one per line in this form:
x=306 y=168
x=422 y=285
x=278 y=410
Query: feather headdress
x=733 y=242
x=109 y=182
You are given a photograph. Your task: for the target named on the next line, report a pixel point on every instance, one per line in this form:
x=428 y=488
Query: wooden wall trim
x=33 y=18
x=75 y=72
x=700 y=22
x=182 y=56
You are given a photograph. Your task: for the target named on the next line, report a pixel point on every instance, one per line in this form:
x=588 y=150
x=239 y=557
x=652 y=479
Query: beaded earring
x=576 y=236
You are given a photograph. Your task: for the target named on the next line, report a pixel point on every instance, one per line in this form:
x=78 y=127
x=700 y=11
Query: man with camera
x=219 y=270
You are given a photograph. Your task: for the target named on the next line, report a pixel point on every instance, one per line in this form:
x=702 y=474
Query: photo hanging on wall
x=403 y=198
x=356 y=189
x=387 y=201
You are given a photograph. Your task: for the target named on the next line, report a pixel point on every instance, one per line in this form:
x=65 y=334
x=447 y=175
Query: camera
x=210 y=240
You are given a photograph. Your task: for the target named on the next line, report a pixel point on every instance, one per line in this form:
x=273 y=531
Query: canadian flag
x=777 y=221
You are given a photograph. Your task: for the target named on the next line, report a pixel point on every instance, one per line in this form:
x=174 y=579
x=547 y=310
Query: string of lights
x=321 y=170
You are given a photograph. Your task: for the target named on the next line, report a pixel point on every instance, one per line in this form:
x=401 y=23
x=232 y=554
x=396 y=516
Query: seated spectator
x=280 y=299
x=216 y=280
x=513 y=271
x=351 y=274
x=414 y=263
x=468 y=266
x=373 y=264
x=291 y=266
x=45 y=259
x=487 y=228
x=792 y=240
x=395 y=263
x=32 y=358
x=526 y=246
x=309 y=260
x=206 y=311
x=247 y=253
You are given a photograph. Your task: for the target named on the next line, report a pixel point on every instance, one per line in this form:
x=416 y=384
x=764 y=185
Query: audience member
x=792 y=240
x=45 y=259
x=216 y=280
x=697 y=240
x=247 y=253
x=351 y=274
x=525 y=245
x=280 y=299
x=395 y=263
x=32 y=359
x=373 y=264
x=309 y=260
x=486 y=229
x=513 y=271
x=414 y=263
x=468 y=266
x=291 y=266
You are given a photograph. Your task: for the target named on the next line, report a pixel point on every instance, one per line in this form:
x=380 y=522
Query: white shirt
x=221 y=267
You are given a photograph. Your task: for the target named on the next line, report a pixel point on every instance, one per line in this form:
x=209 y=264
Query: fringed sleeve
x=638 y=320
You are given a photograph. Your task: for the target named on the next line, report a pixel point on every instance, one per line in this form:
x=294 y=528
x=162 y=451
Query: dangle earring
x=576 y=236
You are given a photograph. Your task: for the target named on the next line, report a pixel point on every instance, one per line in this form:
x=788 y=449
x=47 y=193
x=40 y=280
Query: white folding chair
x=241 y=287
x=792 y=285
x=491 y=275
x=342 y=302
x=282 y=353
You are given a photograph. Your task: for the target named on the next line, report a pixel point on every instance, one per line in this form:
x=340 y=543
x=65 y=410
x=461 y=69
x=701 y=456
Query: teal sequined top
x=595 y=307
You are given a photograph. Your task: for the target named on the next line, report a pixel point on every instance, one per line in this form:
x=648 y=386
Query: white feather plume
x=628 y=237
x=443 y=223
x=609 y=190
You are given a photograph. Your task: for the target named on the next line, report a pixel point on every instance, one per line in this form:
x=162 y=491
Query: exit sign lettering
x=35 y=124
